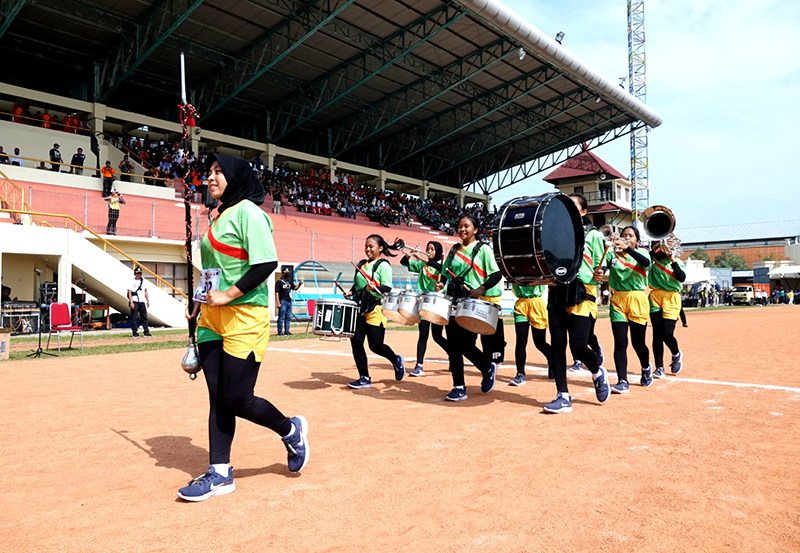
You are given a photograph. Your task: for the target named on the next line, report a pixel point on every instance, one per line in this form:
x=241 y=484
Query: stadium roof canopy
x=466 y=94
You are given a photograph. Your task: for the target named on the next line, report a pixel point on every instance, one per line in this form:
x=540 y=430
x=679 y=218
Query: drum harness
x=459 y=292
x=366 y=301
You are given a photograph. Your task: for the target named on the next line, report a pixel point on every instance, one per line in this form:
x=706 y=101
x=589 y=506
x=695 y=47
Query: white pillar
x=65 y=277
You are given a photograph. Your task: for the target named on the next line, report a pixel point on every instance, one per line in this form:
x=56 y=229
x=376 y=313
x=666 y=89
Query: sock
x=223 y=469
x=460 y=387
x=291 y=431
x=564 y=395
x=597 y=375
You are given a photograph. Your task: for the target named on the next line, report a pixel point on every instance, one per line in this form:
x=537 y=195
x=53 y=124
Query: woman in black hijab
x=428 y=268
x=238 y=256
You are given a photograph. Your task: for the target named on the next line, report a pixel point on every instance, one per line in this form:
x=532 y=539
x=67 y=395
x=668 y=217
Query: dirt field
x=96 y=447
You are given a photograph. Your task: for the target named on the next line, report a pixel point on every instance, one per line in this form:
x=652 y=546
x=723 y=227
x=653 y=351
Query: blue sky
x=724 y=75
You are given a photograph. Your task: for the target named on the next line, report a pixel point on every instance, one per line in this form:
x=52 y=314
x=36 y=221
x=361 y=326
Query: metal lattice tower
x=637 y=85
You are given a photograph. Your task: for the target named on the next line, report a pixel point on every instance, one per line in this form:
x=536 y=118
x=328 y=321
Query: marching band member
x=373 y=278
x=665 y=278
x=233 y=328
x=472 y=270
x=426 y=282
x=629 y=308
x=578 y=320
x=530 y=311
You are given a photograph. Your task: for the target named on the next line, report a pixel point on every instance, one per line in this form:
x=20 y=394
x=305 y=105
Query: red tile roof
x=607 y=208
x=584 y=164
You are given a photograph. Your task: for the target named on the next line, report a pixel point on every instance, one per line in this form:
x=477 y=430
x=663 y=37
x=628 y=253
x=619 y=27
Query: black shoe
x=148 y=335
x=135 y=335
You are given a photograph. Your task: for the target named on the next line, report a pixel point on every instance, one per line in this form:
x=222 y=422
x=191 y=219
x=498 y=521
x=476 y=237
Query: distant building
x=753 y=241
x=605 y=189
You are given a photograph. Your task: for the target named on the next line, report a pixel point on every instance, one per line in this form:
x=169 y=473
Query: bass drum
x=538 y=240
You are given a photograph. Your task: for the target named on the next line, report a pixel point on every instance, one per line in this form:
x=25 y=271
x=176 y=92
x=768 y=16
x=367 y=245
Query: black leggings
x=494 y=345
x=539 y=340
x=425 y=329
x=579 y=328
x=230 y=393
x=374 y=336
x=113 y=217
x=620 y=332
x=460 y=344
x=663 y=333
x=683 y=315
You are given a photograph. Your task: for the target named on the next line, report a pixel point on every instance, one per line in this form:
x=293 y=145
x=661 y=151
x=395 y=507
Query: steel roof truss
x=148 y=33
x=402 y=103
x=330 y=88
x=9 y=10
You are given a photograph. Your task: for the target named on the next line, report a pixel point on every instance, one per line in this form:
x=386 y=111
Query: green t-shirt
x=661 y=277
x=382 y=275
x=528 y=291
x=240 y=238
x=626 y=274
x=593 y=248
x=474 y=275
x=428 y=276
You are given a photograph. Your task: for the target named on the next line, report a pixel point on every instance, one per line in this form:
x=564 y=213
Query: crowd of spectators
x=71 y=122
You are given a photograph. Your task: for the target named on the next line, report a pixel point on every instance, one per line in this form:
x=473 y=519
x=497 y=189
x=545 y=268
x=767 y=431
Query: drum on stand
x=408 y=307
x=335 y=318
x=435 y=307
x=389 y=304
x=538 y=240
x=478 y=316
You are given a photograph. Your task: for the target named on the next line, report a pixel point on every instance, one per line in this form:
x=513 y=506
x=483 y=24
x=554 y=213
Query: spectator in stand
x=18 y=112
x=149 y=181
x=55 y=157
x=277 y=199
x=77 y=159
x=113 y=211
x=125 y=169
x=46 y=119
x=16 y=159
x=108 y=178
x=56 y=123
x=4 y=157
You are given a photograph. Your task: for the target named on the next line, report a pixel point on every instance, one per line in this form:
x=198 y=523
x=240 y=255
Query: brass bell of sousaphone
x=658 y=222
x=191 y=361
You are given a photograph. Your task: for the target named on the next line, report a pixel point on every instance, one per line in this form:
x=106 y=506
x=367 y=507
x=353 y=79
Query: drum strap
x=454 y=290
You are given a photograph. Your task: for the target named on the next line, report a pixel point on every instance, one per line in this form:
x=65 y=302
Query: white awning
x=788 y=271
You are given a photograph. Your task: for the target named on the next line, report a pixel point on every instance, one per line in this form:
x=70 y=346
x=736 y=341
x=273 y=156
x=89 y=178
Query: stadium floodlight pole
x=190 y=362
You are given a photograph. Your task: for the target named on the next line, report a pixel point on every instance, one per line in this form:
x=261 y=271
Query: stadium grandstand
x=370 y=116
x=755 y=242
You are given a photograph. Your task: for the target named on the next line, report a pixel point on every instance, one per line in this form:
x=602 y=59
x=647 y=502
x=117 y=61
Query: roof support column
x=269 y=156
x=381 y=180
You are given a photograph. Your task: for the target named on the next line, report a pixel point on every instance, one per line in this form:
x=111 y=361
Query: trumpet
x=610 y=237
x=402 y=245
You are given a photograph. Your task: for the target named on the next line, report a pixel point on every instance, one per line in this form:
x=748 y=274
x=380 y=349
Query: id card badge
x=209 y=280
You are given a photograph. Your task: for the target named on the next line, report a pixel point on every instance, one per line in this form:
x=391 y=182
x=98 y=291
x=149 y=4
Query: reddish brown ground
x=94 y=449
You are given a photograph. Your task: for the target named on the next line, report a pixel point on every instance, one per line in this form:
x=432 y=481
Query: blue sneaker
x=363 y=382
x=459 y=393
x=399 y=369
x=297 y=444
x=659 y=373
x=487 y=382
x=211 y=483
x=562 y=404
x=599 y=355
x=417 y=371
x=518 y=380
x=577 y=366
x=647 y=376
x=620 y=387
x=677 y=363
x=601 y=387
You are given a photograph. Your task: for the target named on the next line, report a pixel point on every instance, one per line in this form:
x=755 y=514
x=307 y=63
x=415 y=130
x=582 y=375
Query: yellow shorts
x=242 y=328
x=629 y=307
x=493 y=299
x=668 y=302
x=375 y=317
x=533 y=310
x=586 y=308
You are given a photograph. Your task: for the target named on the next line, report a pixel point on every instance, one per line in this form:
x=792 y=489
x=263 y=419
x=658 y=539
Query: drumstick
x=464 y=284
x=339 y=286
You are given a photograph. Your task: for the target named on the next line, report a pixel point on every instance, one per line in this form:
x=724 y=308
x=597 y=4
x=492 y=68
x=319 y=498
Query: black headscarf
x=438 y=251
x=243 y=184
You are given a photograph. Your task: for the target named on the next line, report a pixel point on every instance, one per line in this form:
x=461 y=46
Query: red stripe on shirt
x=634 y=267
x=588 y=258
x=427 y=272
x=660 y=266
x=230 y=251
x=481 y=272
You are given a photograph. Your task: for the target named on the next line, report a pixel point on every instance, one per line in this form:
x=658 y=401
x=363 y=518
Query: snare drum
x=435 y=308
x=478 y=316
x=335 y=317
x=409 y=307
x=538 y=240
x=390 y=303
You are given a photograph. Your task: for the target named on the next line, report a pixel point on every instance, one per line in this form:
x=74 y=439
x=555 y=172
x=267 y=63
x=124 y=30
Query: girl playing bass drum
x=372 y=280
x=425 y=267
x=472 y=270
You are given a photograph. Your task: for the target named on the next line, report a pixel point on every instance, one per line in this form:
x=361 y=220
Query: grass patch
x=90 y=336
x=102 y=349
